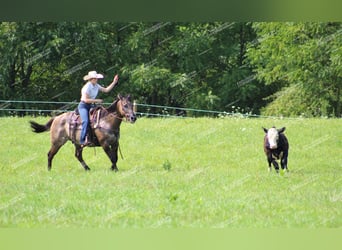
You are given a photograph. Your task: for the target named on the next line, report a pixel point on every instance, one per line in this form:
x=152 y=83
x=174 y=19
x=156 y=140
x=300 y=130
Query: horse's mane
x=112 y=107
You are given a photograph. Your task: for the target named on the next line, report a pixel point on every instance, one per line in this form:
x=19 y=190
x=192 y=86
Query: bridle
x=117 y=115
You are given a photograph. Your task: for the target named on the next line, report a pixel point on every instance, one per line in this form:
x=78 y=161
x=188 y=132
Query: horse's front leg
x=78 y=154
x=112 y=152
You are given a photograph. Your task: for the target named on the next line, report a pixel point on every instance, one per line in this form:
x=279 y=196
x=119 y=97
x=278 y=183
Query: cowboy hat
x=91 y=75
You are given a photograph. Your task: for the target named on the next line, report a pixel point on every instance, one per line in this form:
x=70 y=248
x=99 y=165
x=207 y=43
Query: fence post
x=135 y=108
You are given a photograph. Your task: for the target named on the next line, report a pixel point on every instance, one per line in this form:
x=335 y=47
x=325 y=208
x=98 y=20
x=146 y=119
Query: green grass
x=176 y=173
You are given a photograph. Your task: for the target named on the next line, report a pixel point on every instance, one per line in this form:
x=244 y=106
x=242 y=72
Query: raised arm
x=111 y=86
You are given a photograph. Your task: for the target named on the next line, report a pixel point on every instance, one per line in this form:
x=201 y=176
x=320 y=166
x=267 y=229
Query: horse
x=276 y=146
x=105 y=126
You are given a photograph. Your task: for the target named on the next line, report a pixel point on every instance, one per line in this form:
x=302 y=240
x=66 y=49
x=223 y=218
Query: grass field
x=176 y=173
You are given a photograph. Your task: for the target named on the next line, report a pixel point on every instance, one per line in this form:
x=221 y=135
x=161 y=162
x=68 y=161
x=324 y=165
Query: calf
x=276 y=147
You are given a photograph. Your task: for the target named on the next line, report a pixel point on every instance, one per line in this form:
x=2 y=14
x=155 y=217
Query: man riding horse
x=106 y=130
x=88 y=100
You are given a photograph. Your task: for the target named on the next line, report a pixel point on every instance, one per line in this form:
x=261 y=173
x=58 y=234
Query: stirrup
x=86 y=144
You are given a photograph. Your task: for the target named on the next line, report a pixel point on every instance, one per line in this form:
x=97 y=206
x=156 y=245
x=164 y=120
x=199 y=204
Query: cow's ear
x=281 y=130
x=264 y=129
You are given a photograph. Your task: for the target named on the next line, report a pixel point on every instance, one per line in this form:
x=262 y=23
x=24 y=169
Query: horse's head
x=125 y=108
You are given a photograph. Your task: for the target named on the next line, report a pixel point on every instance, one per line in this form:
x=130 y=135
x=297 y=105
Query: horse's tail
x=38 y=128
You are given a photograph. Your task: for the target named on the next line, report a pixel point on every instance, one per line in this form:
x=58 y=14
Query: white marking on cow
x=272 y=137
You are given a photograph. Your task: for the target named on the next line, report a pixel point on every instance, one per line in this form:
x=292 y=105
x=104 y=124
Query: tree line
x=272 y=68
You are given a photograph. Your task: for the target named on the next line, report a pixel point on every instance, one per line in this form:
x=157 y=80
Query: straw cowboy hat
x=91 y=75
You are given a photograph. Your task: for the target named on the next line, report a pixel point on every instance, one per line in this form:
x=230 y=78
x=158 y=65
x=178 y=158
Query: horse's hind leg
x=78 y=154
x=53 y=151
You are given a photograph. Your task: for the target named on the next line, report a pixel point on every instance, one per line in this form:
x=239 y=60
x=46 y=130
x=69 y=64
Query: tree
x=305 y=60
x=198 y=65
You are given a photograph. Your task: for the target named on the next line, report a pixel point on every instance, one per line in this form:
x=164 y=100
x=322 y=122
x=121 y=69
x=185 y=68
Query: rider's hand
x=116 y=79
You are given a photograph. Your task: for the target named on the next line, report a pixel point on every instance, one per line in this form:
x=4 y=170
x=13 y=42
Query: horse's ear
x=119 y=96
x=264 y=129
x=128 y=97
x=281 y=130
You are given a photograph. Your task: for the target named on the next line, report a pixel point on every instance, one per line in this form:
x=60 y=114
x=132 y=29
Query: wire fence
x=49 y=108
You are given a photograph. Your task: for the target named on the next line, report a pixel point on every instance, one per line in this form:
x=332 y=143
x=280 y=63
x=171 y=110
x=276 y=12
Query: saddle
x=76 y=124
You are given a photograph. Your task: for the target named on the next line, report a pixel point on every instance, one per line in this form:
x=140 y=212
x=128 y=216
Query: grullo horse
x=105 y=126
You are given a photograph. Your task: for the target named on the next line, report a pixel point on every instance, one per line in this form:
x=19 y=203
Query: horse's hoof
x=114 y=169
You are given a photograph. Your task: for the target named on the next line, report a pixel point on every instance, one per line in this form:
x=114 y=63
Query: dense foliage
x=306 y=60
x=276 y=68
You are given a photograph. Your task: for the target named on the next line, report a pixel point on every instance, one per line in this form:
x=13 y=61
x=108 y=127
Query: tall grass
x=202 y=173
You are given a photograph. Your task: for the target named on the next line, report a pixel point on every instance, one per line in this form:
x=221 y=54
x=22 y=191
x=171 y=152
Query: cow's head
x=272 y=136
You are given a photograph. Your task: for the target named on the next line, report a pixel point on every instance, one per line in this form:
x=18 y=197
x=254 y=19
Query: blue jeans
x=83 y=109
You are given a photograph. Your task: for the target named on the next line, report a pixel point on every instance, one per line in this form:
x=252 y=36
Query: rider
x=88 y=95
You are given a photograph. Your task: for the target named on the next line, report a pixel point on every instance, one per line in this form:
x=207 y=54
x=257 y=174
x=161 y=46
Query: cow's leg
x=272 y=160
x=78 y=155
x=284 y=161
x=112 y=152
x=269 y=160
x=275 y=164
x=269 y=165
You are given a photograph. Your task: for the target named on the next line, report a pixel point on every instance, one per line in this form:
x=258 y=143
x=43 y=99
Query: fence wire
x=50 y=108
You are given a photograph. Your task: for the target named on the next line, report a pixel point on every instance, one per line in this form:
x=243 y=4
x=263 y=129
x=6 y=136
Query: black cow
x=276 y=147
